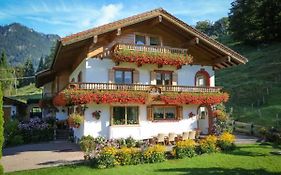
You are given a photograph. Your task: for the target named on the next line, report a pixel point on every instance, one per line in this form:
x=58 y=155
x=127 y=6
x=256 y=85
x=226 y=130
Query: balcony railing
x=146 y=48
x=142 y=87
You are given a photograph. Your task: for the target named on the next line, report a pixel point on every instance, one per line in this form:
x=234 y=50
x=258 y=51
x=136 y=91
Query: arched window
x=202 y=78
x=203 y=112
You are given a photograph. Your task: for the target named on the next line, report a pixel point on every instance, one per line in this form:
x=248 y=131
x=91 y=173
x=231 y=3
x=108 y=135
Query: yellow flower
x=109 y=150
x=186 y=144
x=227 y=137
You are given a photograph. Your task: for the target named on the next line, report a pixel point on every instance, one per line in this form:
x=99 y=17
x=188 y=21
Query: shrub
x=226 y=141
x=10 y=131
x=184 y=149
x=208 y=145
x=1 y=127
x=87 y=145
x=16 y=140
x=121 y=142
x=154 y=154
x=106 y=158
x=130 y=142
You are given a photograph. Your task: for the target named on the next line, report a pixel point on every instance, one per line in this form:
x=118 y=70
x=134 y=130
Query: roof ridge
x=66 y=38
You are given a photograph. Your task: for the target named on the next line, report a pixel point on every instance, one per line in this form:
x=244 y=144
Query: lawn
x=246 y=159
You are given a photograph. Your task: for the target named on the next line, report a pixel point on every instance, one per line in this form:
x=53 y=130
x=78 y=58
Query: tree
x=221 y=27
x=205 y=27
x=254 y=21
x=28 y=73
x=41 y=64
x=6 y=75
x=1 y=127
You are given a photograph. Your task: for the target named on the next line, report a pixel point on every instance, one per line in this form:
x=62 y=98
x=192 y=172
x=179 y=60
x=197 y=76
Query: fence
x=246 y=128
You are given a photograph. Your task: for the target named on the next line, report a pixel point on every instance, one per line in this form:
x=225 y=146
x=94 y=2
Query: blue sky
x=65 y=17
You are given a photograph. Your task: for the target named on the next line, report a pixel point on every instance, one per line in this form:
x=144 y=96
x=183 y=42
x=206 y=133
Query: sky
x=65 y=17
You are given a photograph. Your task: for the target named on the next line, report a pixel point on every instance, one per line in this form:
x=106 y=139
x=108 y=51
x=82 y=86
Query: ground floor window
x=164 y=112
x=125 y=115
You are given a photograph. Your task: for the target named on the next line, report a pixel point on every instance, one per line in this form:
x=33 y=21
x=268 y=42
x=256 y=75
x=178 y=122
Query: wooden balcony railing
x=142 y=87
x=146 y=48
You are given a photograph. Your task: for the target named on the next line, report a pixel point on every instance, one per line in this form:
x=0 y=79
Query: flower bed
x=141 y=58
x=109 y=153
x=192 y=98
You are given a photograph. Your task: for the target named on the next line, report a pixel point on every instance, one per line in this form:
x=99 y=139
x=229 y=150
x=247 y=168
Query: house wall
x=96 y=70
x=144 y=130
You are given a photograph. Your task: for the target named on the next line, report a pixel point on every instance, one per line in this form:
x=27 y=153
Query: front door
x=203 y=120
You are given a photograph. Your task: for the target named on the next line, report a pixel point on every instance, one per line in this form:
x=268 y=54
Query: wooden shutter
x=153 y=77
x=136 y=77
x=110 y=76
x=179 y=113
x=175 y=78
x=149 y=113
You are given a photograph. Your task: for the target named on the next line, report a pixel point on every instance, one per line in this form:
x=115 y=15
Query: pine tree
x=28 y=73
x=3 y=60
x=41 y=64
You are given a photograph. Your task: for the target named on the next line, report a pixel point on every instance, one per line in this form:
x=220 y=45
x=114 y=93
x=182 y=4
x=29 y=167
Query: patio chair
x=171 y=138
x=185 y=135
x=192 y=135
x=160 y=138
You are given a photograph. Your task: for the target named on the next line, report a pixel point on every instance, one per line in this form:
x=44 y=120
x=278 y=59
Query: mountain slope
x=21 y=43
x=255 y=88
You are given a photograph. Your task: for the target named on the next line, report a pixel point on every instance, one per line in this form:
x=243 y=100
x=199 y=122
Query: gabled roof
x=142 y=17
x=47 y=76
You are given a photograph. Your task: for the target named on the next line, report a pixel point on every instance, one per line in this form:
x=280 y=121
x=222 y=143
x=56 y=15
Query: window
x=140 y=40
x=203 y=112
x=200 y=80
x=163 y=78
x=124 y=76
x=164 y=112
x=125 y=115
x=154 y=41
x=79 y=77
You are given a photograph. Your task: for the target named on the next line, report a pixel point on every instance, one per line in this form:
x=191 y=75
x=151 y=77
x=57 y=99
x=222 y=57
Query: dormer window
x=140 y=40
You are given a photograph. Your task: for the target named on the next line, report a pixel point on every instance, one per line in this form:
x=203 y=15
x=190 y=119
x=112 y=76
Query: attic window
x=140 y=39
x=154 y=41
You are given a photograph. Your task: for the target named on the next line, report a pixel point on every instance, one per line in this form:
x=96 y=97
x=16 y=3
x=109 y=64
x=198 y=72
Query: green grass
x=255 y=87
x=246 y=159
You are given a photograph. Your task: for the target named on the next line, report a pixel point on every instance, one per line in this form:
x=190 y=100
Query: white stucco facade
x=96 y=71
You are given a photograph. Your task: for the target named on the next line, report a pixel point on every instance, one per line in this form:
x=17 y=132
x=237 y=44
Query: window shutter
x=153 y=77
x=175 y=78
x=149 y=113
x=110 y=76
x=179 y=113
x=136 y=76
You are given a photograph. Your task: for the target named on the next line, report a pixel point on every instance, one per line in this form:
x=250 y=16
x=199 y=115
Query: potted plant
x=75 y=120
x=96 y=114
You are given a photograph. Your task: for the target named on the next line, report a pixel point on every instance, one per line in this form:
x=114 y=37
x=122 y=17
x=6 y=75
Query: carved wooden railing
x=146 y=48
x=142 y=87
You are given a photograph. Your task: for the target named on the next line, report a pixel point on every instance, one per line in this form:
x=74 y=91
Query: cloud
x=109 y=13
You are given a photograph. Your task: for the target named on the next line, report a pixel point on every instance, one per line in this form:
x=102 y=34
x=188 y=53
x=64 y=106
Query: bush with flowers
x=106 y=157
x=226 y=141
x=36 y=130
x=155 y=154
x=87 y=145
x=185 y=148
x=129 y=156
x=208 y=145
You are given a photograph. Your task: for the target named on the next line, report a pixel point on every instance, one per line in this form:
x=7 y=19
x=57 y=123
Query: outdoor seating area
x=171 y=138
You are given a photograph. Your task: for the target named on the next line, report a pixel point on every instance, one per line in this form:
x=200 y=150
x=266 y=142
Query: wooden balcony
x=147 y=48
x=142 y=87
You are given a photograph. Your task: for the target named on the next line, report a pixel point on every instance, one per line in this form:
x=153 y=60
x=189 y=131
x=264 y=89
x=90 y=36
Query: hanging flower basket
x=75 y=120
x=96 y=114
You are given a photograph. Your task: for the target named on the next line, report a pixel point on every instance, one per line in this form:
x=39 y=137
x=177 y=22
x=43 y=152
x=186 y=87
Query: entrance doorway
x=203 y=119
